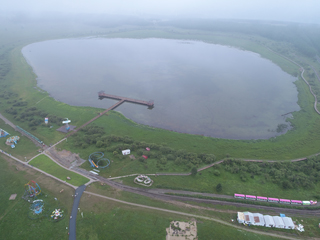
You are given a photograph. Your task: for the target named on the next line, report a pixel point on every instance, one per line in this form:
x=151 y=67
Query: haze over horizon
x=280 y=10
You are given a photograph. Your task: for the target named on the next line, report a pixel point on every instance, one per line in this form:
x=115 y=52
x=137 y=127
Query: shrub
x=216 y=173
x=194 y=171
x=219 y=187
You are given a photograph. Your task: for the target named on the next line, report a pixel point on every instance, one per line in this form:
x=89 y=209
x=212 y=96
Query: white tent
x=248 y=217
x=278 y=223
x=268 y=221
x=288 y=223
x=240 y=217
x=126 y=152
x=258 y=219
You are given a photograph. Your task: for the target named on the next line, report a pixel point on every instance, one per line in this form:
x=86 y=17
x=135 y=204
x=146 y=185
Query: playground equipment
x=32 y=190
x=37 y=206
x=57 y=214
x=66 y=121
x=97 y=160
x=11 y=141
x=3 y=133
x=143 y=180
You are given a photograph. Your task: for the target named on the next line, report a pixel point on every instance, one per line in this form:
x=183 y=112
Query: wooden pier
x=102 y=95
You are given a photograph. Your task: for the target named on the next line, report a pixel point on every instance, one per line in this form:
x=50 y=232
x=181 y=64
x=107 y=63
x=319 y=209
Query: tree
x=194 y=171
x=219 y=187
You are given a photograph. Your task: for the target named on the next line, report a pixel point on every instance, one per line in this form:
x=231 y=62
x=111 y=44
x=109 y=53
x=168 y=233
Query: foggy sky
x=282 y=10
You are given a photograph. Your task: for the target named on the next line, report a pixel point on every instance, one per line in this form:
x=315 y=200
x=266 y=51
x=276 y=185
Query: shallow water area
x=198 y=88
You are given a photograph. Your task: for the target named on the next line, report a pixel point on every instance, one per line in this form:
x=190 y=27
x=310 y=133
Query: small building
x=278 y=222
x=240 y=217
x=258 y=219
x=182 y=231
x=248 y=218
x=126 y=152
x=268 y=221
x=288 y=223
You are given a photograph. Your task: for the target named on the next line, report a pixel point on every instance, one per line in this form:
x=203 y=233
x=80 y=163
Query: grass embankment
x=46 y=164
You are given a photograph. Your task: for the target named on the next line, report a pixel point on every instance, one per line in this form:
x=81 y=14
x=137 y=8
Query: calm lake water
x=198 y=88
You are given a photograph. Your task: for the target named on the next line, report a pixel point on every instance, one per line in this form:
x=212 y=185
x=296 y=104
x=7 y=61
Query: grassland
x=225 y=213
x=101 y=218
x=14 y=221
x=120 y=221
x=231 y=183
x=46 y=164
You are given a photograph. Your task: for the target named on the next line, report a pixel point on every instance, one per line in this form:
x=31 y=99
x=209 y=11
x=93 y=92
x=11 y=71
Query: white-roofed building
x=268 y=221
x=240 y=217
x=288 y=223
x=126 y=152
x=258 y=219
x=278 y=223
x=248 y=218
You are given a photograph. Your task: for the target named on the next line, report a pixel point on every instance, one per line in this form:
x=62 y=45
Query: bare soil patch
x=66 y=158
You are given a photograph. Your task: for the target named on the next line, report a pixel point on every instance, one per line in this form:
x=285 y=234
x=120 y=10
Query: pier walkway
x=102 y=95
x=96 y=117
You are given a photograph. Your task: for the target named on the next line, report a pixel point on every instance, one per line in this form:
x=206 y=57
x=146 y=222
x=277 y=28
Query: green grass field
x=14 y=221
x=118 y=221
x=46 y=164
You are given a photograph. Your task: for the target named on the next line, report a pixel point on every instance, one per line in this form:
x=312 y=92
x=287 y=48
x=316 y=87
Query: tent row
x=258 y=219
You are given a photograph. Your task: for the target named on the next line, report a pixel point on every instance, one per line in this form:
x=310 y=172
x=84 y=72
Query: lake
x=197 y=87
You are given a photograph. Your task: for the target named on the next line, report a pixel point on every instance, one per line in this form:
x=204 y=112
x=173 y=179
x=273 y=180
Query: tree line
x=288 y=175
x=95 y=135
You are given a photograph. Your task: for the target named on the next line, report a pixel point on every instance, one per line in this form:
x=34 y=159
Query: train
x=274 y=200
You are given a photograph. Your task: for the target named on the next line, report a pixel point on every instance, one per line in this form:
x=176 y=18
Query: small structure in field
x=13 y=196
x=143 y=180
x=3 y=133
x=126 y=152
x=182 y=230
x=12 y=140
x=268 y=221
x=278 y=222
x=258 y=219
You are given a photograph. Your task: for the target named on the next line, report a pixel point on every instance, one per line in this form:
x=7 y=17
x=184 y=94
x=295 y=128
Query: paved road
x=74 y=211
